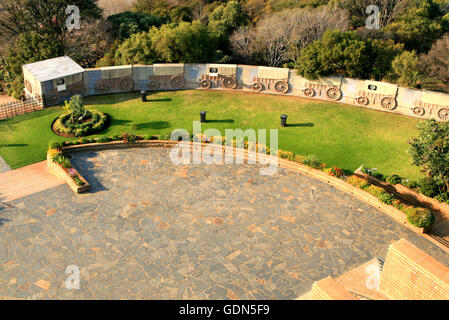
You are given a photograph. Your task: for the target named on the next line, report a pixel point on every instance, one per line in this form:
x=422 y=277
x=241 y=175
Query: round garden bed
x=95 y=121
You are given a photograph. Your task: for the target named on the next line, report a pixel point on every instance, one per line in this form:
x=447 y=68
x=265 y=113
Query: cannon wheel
x=153 y=84
x=257 y=86
x=363 y=101
x=309 y=92
x=388 y=103
x=205 y=84
x=443 y=114
x=281 y=86
x=419 y=111
x=333 y=93
x=126 y=84
x=28 y=86
x=178 y=82
x=230 y=82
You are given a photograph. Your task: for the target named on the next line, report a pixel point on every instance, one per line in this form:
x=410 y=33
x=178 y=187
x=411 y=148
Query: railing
x=15 y=108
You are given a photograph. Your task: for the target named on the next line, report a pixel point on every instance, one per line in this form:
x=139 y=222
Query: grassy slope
x=342 y=135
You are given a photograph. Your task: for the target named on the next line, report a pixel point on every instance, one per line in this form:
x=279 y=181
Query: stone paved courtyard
x=152 y=230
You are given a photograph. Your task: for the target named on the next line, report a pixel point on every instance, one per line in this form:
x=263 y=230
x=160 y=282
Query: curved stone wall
x=278 y=81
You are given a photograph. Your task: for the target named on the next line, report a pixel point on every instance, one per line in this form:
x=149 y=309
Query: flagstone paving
x=152 y=230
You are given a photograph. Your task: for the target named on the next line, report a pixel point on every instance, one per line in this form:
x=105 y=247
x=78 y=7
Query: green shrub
x=394 y=179
x=78 y=181
x=66 y=164
x=103 y=139
x=299 y=158
x=55 y=145
x=358 y=182
x=58 y=158
x=420 y=217
x=313 y=161
x=97 y=122
x=443 y=197
x=412 y=184
x=285 y=154
x=372 y=172
x=429 y=187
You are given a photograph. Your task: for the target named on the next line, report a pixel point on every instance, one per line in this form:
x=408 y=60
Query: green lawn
x=342 y=135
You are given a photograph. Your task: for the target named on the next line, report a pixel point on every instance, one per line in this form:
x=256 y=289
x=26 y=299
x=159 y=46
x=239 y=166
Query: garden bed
x=96 y=122
x=407 y=194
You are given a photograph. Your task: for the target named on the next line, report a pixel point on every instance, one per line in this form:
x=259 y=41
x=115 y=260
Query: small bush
x=285 y=154
x=358 y=182
x=314 y=162
x=97 y=122
x=420 y=217
x=372 y=172
x=412 y=184
x=55 y=145
x=429 y=187
x=443 y=197
x=103 y=139
x=394 y=179
x=299 y=158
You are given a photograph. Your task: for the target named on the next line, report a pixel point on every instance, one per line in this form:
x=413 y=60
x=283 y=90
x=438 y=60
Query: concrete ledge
x=329 y=289
x=410 y=274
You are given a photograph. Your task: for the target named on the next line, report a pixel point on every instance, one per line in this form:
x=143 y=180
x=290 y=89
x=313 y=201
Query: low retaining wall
x=58 y=171
x=394 y=213
x=329 y=289
x=411 y=274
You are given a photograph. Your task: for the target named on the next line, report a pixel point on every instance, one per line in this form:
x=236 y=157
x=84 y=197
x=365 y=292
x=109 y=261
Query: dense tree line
x=317 y=37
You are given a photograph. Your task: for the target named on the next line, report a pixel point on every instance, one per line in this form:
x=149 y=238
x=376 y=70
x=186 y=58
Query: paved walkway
x=150 y=230
x=25 y=181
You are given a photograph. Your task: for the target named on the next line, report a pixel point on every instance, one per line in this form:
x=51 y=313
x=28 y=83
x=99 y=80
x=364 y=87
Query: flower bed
x=407 y=194
x=416 y=216
x=94 y=122
x=60 y=166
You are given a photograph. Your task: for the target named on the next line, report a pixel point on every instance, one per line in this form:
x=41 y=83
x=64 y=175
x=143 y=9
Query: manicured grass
x=346 y=136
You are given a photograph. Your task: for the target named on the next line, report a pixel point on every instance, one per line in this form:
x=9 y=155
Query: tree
x=420 y=26
x=280 y=37
x=43 y=16
x=337 y=52
x=385 y=51
x=405 y=69
x=30 y=47
x=435 y=63
x=138 y=49
x=127 y=23
x=76 y=109
x=89 y=44
x=430 y=150
x=388 y=10
x=186 y=42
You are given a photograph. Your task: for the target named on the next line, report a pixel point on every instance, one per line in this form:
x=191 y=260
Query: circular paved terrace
x=152 y=230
